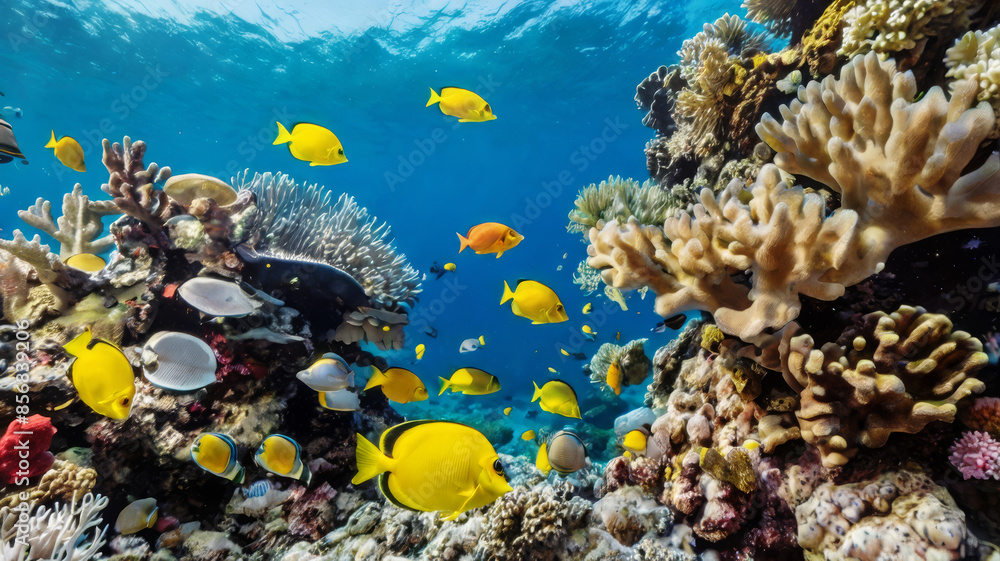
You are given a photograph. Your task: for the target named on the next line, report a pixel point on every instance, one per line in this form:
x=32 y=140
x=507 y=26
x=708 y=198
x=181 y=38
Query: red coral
x=224 y=355
x=24 y=449
x=984 y=415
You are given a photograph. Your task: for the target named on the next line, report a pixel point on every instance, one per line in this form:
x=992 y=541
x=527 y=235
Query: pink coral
x=24 y=449
x=977 y=456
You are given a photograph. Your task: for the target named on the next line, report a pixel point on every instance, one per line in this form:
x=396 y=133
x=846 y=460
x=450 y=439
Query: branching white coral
x=55 y=534
x=889 y=26
x=78 y=227
x=976 y=58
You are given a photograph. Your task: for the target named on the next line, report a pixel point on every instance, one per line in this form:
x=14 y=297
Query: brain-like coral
x=899 y=515
x=531 y=523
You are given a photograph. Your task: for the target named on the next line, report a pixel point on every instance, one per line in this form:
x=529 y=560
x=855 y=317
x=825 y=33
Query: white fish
x=217 y=297
x=328 y=374
x=178 y=362
x=340 y=400
x=470 y=345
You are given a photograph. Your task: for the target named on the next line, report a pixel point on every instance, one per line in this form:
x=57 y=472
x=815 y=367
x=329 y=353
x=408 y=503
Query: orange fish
x=490 y=237
x=615 y=378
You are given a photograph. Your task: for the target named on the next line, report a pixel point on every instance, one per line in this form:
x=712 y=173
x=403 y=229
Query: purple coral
x=976 y=455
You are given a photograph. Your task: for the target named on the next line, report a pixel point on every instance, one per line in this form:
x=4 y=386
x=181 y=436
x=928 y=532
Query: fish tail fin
x=283 y=135
x=376 y=380
x=434 y=98
x=538 y=393
x=79 y=344
x=507 y=294
x=464 y=241
x=445 y=384
x=52 y=141
x=371 y=461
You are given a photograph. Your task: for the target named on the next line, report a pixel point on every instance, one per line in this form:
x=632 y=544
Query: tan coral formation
x=58 y=484
x=975 y=57
x=896 y=373
x=889 y=26
x=897 y=164
x=78 y=228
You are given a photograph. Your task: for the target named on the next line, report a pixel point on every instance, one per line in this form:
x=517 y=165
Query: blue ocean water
x=203 y=86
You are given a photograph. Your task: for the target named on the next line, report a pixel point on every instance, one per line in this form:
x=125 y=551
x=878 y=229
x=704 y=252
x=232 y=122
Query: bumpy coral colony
x=815 y=410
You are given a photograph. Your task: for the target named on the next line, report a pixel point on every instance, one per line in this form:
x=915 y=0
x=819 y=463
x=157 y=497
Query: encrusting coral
x=78 y=228
x=897 y=164
x=287 y=221
x=896 y=373
x=60 y=483
x=531 y=524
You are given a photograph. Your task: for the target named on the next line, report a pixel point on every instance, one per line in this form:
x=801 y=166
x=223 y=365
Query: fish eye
x=498 y=467
x=124 y=401
x=340 y=152
x=488 y=109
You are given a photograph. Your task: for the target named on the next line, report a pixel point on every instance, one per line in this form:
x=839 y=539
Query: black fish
x=8 y=144
x=673 y=322
x=323 y=293
x=431 y=332
x=579 y=356
x=437 y=270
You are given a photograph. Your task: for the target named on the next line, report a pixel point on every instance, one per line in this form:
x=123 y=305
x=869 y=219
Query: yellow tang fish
x=564 y=352
x=635 y=441
x=535 y=301
x=461 y=103
x=312 y=143
x=87 y=262
x=420 y=351
x=433 y=465
x=216 y=454
x=614 y=378
x=553 y=370
x=586 y=329
x=398 y=384
x=137 y=516
x=450 y=267
x=528 y=435
x=102 y=376
x=68 y=151
x=471 y=381
x=507 y=410
x=557 y=397
x=587 y=307
x=489 y=237
x=618 y=335
x=282 y=456
x=542 y=460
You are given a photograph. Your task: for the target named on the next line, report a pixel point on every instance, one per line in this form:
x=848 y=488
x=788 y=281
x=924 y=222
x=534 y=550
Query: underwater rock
x=628 y=515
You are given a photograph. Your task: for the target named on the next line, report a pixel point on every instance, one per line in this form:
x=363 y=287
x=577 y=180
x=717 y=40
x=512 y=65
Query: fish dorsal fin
x=392 y=434
x=520 y=280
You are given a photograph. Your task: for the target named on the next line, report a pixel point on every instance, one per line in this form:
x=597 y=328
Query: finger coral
x=132 y=184
x=896 y=373
x=62 y=532
x=60 y=483
x=897 y=163
x=302 y=221
x=78 y=227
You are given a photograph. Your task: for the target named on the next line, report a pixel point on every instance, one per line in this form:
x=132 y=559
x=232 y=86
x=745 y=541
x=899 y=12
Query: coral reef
x=900 y=514
x=656 y=95
x=24 y=449
x=783 y=237
x=78 y=228
x=587 y=277
x=895 y=373
x=976 y=456
x=133 y=185
x=60 y=483
x=889 y=26
x=630 y=359
x=618 y=199
x=60 y=533
x=286 y=222
x=975 y=57
x=531 y=523
x=783 y=17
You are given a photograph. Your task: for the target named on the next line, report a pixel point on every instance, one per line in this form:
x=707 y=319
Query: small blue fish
x=257 y=489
